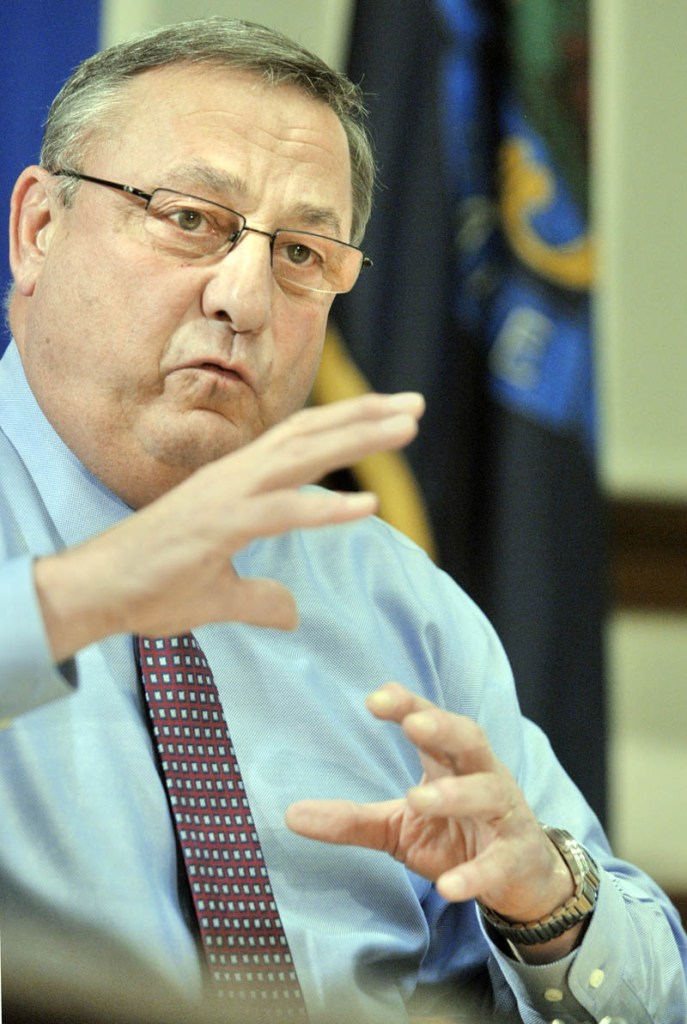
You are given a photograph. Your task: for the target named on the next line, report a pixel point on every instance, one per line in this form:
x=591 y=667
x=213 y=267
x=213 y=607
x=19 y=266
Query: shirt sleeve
x=631 y=965
x=28 y=676
x=628 y=967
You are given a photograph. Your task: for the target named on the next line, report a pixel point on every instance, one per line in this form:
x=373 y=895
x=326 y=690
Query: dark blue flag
x=480 y=297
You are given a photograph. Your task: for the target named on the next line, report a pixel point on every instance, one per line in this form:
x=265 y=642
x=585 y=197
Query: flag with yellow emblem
x=481 y=297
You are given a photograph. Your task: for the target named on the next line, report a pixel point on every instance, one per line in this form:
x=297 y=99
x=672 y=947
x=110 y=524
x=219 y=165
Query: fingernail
x=452 y=889
x=402 y=421
x=406 y=400
x=381 y=700
x=362 y=500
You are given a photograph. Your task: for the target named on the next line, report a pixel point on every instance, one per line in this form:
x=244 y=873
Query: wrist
x=561 y=929
x=72 y=605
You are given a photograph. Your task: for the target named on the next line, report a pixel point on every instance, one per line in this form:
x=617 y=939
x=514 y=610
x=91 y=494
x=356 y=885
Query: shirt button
x=553 y=995
x=596 y=978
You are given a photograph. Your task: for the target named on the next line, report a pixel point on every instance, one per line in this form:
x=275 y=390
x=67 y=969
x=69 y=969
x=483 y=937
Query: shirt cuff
x=587 y=984
x=29 y=677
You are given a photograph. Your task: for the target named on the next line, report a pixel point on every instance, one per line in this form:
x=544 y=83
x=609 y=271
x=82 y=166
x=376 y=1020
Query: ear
x=31 y=227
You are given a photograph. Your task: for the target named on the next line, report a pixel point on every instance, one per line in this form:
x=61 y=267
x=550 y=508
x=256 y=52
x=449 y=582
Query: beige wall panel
x=640 y=139
x=648 y=755
x=321 y=25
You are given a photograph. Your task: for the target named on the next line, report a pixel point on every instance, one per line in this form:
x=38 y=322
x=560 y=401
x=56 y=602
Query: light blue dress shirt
x=87 y=846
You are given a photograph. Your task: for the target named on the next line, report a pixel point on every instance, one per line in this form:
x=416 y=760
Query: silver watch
x=578 y=908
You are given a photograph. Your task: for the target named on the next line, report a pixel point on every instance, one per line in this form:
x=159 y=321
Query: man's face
x=149 y=367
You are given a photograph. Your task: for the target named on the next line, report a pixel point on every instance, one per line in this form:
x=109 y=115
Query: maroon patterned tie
x=243 y=938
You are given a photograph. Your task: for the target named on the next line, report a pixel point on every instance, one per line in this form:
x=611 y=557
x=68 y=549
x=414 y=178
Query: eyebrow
x=222 y=183
x=318 y=217
x=192 y=176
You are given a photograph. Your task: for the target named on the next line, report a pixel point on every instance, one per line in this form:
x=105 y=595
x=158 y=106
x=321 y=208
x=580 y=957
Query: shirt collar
x=77 y=502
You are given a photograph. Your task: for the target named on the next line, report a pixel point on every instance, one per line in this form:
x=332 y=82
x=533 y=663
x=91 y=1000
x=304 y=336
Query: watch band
x=578 y=908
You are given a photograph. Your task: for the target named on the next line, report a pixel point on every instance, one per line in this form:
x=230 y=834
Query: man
x=153 y=456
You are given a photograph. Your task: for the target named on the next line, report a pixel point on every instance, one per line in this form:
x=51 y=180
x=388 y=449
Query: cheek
x=301 y=348
x=305 y=324
x=96 y=335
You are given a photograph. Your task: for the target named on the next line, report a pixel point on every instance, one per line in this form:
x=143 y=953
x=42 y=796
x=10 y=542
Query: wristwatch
x=578 y=908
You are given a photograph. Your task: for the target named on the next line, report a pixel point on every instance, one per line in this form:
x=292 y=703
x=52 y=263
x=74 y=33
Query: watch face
x=581 y=865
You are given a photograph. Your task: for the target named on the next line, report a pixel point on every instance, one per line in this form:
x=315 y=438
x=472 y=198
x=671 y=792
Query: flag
x=43 y=41
x=480 y=297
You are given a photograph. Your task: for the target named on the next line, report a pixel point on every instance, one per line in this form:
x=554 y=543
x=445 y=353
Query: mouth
x=220 y=370
x=223 y=371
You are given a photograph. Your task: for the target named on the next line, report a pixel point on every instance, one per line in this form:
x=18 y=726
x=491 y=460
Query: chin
x=190 y=450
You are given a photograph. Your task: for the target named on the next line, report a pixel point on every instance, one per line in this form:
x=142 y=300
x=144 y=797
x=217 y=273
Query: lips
x=218 y=368
x=226 y=370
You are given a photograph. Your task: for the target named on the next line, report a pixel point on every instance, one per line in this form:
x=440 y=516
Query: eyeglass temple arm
x=103 y=181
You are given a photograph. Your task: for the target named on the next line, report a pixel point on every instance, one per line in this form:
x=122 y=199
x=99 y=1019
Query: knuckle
x=476 y=738
x=497 y=794
x=297 y=423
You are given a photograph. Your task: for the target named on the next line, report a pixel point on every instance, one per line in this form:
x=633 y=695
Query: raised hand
x=167 y=568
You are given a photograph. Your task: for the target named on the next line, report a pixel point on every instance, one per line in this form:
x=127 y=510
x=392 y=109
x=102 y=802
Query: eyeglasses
x=186 y=227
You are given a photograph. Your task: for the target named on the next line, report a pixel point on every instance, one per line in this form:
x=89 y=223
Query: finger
x=450 y=739
x=344 y=822
x=256 y=601
x=260 y=602
x=314 y=442
x=392 y=702
x=277 y=512
x=483 y=796
x=496 y=867
x=370 y=406
x=307 y=459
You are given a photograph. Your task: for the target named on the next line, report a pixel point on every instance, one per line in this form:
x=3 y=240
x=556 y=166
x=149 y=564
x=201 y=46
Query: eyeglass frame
x=232 y=241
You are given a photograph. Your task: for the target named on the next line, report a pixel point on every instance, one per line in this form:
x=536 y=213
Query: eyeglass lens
x=186 y=227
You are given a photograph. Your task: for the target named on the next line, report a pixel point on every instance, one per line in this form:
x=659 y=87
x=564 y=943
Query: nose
x=240 y=287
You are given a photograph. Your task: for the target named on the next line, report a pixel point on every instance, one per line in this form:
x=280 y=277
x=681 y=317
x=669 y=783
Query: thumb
x=344 y=822
x=261 y=602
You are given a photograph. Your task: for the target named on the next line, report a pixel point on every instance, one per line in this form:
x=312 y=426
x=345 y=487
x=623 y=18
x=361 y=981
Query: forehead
x=232 y=131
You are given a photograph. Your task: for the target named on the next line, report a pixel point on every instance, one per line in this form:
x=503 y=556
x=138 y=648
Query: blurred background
x=529 y=241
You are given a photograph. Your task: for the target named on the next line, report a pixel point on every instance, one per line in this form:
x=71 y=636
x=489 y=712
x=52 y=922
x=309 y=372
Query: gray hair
x=87 y=103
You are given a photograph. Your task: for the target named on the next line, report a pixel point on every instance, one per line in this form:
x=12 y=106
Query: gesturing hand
x=167 y=568
x=466 y=826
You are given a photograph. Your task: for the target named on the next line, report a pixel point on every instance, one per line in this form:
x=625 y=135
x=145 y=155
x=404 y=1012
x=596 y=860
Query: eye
x=188 y=219
x=300 y=255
